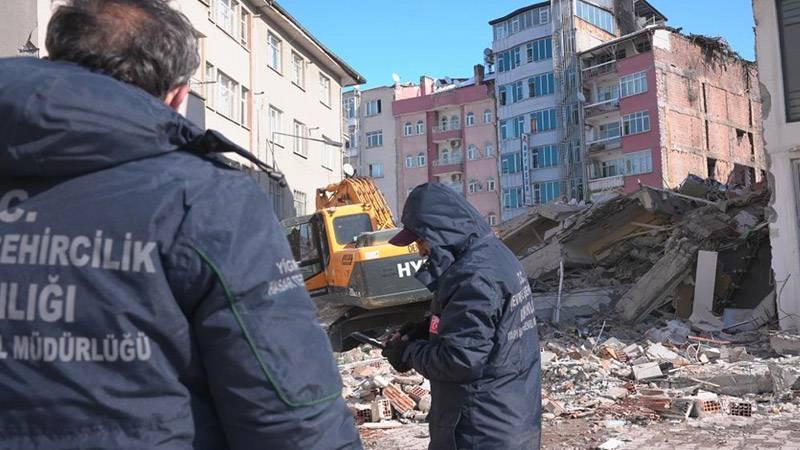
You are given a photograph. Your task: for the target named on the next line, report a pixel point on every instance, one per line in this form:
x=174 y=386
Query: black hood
x=60 y=119
x=446 y=221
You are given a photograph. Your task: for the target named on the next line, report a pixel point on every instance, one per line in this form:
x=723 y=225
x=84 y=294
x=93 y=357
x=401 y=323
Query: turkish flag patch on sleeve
x=434 y=328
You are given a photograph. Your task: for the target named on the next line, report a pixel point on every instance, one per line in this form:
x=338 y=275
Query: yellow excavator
x=358 y=281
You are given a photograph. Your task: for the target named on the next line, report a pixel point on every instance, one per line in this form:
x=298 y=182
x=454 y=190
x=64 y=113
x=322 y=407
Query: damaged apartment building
x=661 y=105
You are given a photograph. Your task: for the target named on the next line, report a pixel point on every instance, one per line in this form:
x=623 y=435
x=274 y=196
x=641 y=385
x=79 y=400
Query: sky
x=447 y=37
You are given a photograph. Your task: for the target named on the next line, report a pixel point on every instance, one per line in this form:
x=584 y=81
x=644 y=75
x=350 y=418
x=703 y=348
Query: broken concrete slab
x=651 y=290
x=657 y=352
x=576 y=303
x=786 y=344
x=543 y=261
x=704 y=283
x=646 y=371
x=784 y=379
x=737 y=380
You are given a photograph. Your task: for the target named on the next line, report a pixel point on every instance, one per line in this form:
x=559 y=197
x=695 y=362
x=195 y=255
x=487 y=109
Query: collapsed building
x=660 y=105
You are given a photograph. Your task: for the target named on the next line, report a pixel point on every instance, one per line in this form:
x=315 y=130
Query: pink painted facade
x=453 y=140
x=702 y=111
x=647 y=101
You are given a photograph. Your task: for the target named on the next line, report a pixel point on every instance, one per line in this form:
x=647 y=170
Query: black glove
x=416 y=330
x=394 y=352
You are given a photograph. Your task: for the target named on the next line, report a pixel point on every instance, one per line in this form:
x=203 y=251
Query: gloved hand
x=394 y=352
x=416 y=330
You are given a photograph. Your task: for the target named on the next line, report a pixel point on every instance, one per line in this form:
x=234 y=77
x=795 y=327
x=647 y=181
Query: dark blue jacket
x=482 y=357
x=148 y=298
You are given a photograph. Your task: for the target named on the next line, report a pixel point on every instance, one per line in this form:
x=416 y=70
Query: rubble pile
x=378 y=396
x=641 y=251
x=667 y=372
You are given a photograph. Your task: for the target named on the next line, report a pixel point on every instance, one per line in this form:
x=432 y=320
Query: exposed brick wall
x=712 y=104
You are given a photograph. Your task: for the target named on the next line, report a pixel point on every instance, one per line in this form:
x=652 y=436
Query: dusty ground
x=763 y=431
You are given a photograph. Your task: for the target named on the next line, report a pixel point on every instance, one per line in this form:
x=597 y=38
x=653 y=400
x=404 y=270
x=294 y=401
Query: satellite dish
x=396 y=77
x=487 y=52
x=349 y=171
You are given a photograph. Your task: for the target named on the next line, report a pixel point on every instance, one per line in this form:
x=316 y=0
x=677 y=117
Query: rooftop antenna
x=396 y=78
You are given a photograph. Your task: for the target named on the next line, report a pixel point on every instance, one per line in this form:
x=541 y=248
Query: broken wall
x=710 y=109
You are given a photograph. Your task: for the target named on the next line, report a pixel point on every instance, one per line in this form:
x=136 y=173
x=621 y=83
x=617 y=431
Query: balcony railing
x=600 y=69
x=445 y=128
x=448 y=161
x=602 y=107
x=606 y=184
x=604 y=143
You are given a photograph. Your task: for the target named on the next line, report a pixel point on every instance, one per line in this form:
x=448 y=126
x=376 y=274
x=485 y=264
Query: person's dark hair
x=146 y=43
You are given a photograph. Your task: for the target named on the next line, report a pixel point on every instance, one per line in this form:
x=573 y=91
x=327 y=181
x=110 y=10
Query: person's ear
x=177 y=97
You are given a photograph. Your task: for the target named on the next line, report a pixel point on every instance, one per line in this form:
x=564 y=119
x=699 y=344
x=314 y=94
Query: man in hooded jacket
x=481 y=348
x=148 y=297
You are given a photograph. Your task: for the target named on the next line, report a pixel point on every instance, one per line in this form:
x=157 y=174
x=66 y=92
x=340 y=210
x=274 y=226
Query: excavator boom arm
x=351 y=191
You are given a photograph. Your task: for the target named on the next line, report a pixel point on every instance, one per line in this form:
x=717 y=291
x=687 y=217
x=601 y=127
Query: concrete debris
x=785 y=344
x=611 y=444
x=400 y=401
x=646 y=371
x=696 y=250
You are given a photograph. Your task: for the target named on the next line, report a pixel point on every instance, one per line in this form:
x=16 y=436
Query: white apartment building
x=264 y=81
x=537 y=77
x=371 y=138
x=777 y=34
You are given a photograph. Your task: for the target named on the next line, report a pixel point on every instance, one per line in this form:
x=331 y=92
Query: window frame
x=276 y=116
x=642 y=117
x=422 y=159
x=409 y=161
x=420 y=128
x=470 y=119
x=408 y=129
x=274 y=52
x=628 y=84
x=377 y=140
x=298 y=71
x=325 y=90
x=300 y=145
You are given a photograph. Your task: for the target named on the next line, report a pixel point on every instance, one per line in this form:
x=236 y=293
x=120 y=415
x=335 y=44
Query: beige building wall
x=235 y=87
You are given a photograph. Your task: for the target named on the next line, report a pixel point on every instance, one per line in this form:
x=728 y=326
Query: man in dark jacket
x=481 y=352
x=148 y=297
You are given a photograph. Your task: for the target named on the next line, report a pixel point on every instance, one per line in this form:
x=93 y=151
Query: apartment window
x=509 y=60
x=244 y=26
x=546 y=192
x=275 y=122
x=607 y=93
x=420 y=127
x=488 y=151
x=503 y=95
x=226 y=13
x=610 y=168
x=375 y=139
x=299 y=202
x=408 y=129
x=492 y=219
x=512 y=198
x=209 y=87
x=639 y=163
x=789 y=29
x=541 y=85
x=487 y=116
x=324 y=90
x=516 y=92
x=490 y=184
x=540 y=49
x=608 y=131
x=226 y=95
x=545 y=156
x=274 y=52
x=470 y=119
x=455 y=123
x=409 y=162
x=544 y=15
x=504 y=130
x=473 y=186
x=245 y=107
x=373 y=107
x=421 y=159
x=376 y=170
x=510 y=163
x=636 y=123
x=633 y=84
x=596 y=16
x=298 y=70
x=544 y=120
x=472 y=152
x=350 y=107
x=300 y=144
x=519 y=126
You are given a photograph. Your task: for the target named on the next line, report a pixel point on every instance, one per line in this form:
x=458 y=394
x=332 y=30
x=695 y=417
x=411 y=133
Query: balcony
x=446 y=132
x=604 y=144
x=606 y=184
x=601 y=108
x=600 y=71
x=447 y=165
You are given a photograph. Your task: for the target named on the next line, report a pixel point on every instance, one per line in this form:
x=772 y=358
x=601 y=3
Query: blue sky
x=447 y=37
